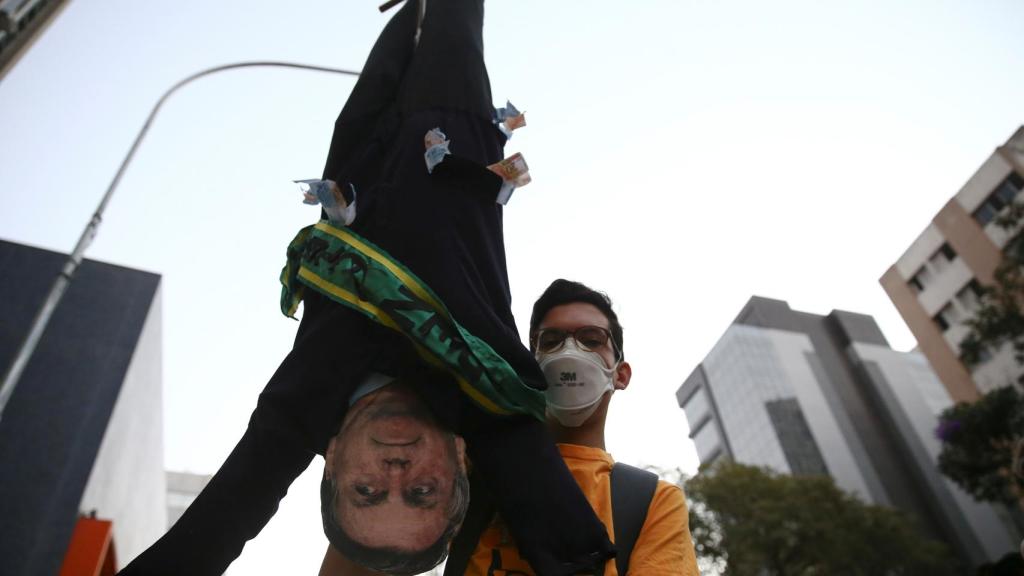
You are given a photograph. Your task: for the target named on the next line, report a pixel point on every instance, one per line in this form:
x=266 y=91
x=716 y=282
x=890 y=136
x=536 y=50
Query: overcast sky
x=685 y=156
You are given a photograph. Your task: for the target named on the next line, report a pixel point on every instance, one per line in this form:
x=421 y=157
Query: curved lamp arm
x=60 y=285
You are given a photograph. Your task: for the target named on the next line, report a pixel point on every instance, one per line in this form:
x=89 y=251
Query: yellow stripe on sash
x=386 y=262
x=377 y=314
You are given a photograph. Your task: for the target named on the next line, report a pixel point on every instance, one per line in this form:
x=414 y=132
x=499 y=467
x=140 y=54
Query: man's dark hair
x=393 y=560
x=568 y=292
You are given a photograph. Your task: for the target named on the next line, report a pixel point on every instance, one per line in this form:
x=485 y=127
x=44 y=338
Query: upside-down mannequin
x=435 y=249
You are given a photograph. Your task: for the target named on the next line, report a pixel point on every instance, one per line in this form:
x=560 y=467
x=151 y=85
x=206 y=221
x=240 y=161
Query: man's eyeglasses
x=588 y=338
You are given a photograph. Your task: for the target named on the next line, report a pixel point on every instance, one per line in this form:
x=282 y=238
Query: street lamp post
x=60 y=285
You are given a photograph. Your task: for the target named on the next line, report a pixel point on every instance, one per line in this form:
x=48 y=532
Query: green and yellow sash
x=352 y=271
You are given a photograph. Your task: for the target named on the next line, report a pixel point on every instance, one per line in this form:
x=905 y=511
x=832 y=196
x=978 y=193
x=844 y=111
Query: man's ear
x=460 y=452
x=329 y=457
x=623 y=372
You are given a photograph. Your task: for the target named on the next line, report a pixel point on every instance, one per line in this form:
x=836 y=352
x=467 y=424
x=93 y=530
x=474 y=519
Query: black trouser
x=449 y=235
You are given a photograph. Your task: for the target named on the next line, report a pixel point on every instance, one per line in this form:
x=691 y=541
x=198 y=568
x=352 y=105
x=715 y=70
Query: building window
x=984 y=355
x=1008 y=189
x=795 y=437
x=969 y=296
x=920 y=280
x=1002 y=196
x=947 y=251
x=697 y=409
x=941 y=259
x=949 y=316
x=707 y=441
x=916 y=285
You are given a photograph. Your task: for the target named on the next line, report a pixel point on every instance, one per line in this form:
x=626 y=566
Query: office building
x=182 y=489
x=21 y=23
x=806 y=394
x=935 y=283
x=81 y=439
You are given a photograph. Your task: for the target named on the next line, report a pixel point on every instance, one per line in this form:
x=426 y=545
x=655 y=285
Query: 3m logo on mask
x=567 y=372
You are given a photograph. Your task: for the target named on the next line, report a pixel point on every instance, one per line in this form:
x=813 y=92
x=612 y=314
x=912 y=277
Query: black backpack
x=632 y=490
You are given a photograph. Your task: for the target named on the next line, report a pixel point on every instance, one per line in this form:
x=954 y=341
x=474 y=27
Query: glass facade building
x=807 y=394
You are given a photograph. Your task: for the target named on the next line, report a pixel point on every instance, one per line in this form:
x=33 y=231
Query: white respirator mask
x=577 y=380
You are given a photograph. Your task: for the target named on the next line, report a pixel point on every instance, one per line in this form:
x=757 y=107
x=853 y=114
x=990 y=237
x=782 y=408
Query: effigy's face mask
x=394 y=468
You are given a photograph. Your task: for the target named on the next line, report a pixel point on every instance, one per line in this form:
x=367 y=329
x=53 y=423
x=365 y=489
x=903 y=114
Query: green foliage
x=977 y=445
x=754 y=522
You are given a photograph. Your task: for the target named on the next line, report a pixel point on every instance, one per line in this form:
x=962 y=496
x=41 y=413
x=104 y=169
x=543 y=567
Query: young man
x=420 y=271
x=577 y=338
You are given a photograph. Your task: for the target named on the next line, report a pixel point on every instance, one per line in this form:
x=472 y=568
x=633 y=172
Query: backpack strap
x=632 y=492
x=478 y=517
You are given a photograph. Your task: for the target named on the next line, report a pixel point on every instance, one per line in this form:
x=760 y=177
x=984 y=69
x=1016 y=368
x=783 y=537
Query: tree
x=978 y=440
x=754 y=522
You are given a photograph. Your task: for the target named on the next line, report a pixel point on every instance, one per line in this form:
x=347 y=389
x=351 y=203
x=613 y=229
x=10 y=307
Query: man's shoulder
x=668 y=494
x=666 y=499
x=664 y=546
